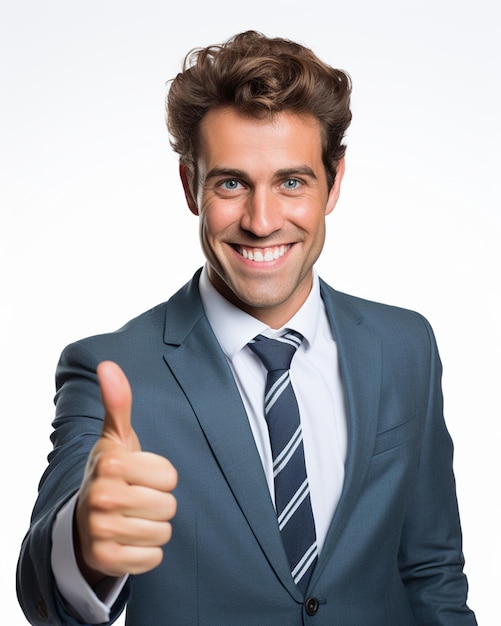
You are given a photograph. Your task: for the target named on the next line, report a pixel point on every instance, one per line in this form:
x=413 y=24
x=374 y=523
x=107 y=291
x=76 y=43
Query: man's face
x=262 y=200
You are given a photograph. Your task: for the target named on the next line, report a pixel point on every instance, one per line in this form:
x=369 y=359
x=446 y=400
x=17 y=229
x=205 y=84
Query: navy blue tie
x=292 y=492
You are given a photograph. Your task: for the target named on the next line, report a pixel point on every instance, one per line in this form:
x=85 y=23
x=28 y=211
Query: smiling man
x=260 y=449
x=262 y=200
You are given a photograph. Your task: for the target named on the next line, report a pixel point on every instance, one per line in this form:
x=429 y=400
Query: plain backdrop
x=94 y=228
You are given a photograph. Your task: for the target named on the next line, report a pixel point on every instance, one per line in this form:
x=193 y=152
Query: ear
x=335 y=190
x=187 y=190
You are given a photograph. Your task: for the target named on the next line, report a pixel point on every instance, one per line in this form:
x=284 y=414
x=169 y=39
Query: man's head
x=258 y=124
x=259 y=77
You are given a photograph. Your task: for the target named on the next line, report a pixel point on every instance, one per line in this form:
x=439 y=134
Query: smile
x=262 y=255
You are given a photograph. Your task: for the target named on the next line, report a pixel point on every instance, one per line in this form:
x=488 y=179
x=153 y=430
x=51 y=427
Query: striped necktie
x=292 y=492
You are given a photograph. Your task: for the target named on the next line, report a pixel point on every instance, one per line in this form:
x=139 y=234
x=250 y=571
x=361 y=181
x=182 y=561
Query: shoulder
x=390 y=322
x=140 y=330
x=148 y=329
x=141 y=342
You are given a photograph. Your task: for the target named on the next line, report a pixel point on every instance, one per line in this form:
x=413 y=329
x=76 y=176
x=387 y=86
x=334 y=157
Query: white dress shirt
x=316 y=380
x=317 y=384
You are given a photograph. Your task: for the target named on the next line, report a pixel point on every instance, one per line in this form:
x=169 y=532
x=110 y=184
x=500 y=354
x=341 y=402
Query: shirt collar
x=234 y=328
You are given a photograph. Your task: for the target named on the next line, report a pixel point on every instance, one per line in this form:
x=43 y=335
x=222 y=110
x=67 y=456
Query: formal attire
x=391 y=554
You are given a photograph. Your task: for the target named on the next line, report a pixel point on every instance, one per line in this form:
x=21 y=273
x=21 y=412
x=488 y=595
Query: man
x=181 y=504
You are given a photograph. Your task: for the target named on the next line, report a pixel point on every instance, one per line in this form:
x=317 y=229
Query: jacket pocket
x=396 y=435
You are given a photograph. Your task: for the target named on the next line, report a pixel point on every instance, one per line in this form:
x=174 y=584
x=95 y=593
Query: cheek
x=216 y=220
x=210 y=229
x=206 y=223
x=312 y=219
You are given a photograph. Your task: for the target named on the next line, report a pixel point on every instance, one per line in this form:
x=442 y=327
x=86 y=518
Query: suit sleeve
x=77 y=426
x=431 y=558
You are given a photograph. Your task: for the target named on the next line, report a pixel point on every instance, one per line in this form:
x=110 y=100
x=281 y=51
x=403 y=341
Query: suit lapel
x=196 y=360
x=360 y=356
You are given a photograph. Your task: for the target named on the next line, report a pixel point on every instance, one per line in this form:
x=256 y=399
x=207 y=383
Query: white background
x=94 y=228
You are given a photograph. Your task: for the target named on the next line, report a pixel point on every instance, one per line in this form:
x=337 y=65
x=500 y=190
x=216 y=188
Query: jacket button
x=311 y=606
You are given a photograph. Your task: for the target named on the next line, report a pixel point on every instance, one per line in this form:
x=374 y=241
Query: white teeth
x=258 y=255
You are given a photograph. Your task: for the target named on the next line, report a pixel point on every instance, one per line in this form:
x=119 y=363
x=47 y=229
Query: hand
x=124 y=505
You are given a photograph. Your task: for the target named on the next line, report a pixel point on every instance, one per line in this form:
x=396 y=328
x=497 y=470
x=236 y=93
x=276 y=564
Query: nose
x=263 y=213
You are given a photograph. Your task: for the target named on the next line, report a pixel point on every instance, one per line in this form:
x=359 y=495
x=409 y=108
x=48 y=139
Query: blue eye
x=291 y=183
x=230 y=184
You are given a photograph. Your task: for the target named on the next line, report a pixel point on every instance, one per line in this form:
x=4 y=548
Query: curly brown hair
x=259 y=76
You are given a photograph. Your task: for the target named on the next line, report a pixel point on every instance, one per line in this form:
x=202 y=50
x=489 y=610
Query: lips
x=263 y=255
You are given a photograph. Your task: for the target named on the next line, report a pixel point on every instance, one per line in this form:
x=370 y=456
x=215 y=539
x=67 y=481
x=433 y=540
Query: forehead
x=226 y=134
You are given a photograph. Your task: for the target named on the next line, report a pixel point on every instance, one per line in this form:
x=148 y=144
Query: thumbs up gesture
x=125 y=503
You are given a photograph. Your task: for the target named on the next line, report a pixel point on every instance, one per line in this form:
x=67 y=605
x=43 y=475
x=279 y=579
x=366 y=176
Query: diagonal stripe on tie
x=305 y=563
x=284 y=457
x=276 y=391
x=294 y=504
x=292 y=493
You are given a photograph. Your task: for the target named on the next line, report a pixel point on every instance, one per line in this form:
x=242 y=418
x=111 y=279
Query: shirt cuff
x=71 y=584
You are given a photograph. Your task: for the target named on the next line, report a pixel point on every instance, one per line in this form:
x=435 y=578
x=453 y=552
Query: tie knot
x=276 y=354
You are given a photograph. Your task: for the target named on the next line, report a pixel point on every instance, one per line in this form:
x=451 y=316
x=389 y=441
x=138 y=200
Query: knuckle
x=109 y=464
x=103 y=527
x=167 y=533
x=101 y=498
x=173 y=477
x=156 y=557
x=171 y=506
x=105 y=554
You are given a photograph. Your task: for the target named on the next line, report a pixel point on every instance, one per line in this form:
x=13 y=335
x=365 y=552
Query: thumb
x=116 y=395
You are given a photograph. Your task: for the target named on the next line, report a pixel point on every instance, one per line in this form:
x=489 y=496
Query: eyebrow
x=225 y=171
x=302 y=170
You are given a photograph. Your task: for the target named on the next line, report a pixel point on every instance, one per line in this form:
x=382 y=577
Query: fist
x=125 y=502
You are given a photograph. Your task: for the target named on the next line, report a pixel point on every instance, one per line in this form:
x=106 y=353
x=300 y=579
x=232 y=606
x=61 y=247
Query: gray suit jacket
x=393 y=553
